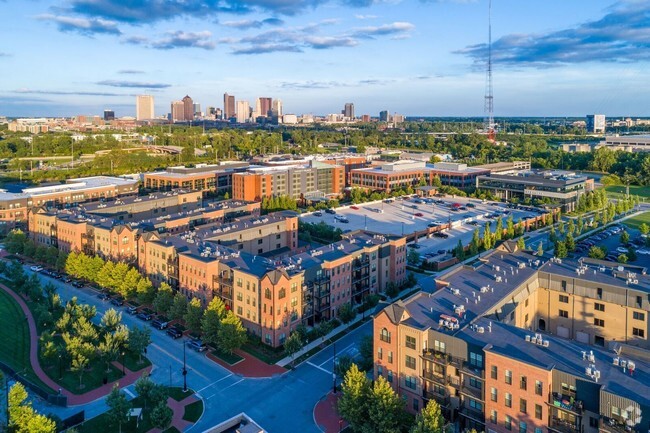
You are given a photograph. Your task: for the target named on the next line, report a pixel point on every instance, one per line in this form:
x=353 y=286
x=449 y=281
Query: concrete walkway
x=326 y=415
x=73 y=399
x=178 y=407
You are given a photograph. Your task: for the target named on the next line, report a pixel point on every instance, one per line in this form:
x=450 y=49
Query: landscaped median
x=57 y=347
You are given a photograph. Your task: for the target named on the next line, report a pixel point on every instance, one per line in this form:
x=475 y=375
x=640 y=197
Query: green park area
x=637 y=220
x=618 y=191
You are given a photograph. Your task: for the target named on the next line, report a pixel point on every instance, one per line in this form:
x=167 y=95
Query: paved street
x=225 y=394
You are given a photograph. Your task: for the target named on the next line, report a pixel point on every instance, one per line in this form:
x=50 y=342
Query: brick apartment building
x=516 y=342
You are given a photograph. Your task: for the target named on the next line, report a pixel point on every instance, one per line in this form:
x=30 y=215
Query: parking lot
x=409 y=215
x=610 y=240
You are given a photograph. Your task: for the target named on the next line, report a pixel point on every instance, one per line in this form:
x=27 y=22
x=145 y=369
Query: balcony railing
x=472 y=370
x=454 y=381
x=441 y=358
x=612 y=425
x=475 y=393
x=443 y=400
x=564 y=426
x=225 y=281
x=433 y=376
x=472 y=413
x=565 y=403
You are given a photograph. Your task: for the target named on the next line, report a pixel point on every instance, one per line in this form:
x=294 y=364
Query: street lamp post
x=60 y=368
x=184 y=371
x=123 y=369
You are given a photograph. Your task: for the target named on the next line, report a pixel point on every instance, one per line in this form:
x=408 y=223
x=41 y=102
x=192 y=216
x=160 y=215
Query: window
x=599 y=293
x=410 y=342
x=593 y=422
x=637 y=332
x=509 y=377
x=409 y=382
x=599 y=322
x=639 y=301
x=494 y=372
x=636 y=315
x=508 y=399
x=416 y=404
x=523 y=405
x=389 y=377
x=564 y=286
x=439 y=346
x=380 y=370
x=267 y=293
x=239 y=282
x=564 y=313
x=282 y=293
x=538 y=430
x=523 y=383
x=616 y=411
x=260 y=241
x=380 y=353
x=493 y=394
x=476 y=360
x=599 y=307
x=390 y=356
x=384 y=335
x=522 y=427
x=564 y=299
x=538 y=411
x=538 y=387
x=508 y=422
x=493 y=416
x=477 y=405
x=410 y=362
x=476 y=383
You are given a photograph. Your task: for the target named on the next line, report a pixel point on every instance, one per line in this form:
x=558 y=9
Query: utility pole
x=184 y=370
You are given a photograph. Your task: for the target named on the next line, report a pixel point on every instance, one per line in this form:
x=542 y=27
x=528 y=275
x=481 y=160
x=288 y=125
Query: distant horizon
x=68 y=57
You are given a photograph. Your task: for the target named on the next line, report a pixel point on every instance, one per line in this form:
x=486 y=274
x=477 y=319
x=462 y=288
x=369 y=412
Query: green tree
x=111 y=320
x=498 y=231
x=194 y=315
x=366 y=351
x=232 y=334
x=79 y=365
x=145 y=290
x=210 y=324
x=521 y=243
x=625 y=237
x=487 y=237
x=342 y=364
x=429 y=420
x=460 y=251
x=139 y=340
x=353 y=403
x=475 y=244
x=570 y=242
x=118 y=407
x=22 y=417
x=105 y=276
x=622 y=258
x=596 y=253
x=161 y=416
x=385 y=409
x=293 y=344
x=347 y=313
x=61 y=260
x=413 y=257
x=226 y=196
x=560 y=250
x=510 y=228
x=179 y=307
x=15 y=241
x=644 y=228
x=164 y=299
x=144 y=386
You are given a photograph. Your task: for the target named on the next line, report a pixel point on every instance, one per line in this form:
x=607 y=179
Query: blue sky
x=416 y=57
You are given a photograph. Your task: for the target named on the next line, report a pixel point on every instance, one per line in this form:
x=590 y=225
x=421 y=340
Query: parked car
x=160 y=324
x=318 y=213
x=78 y=284
x=36 y=268
x=103 y=296
x=118 y=302
x=419 y=214
x=197 y=345
x=416 y=246
x=470 y=205
x=67 y=280
x=330 y=211
x=132 y=309
x=441 y=235
x=442 y=251
x=354 y=207
x=622 y=250
x=388 y=200
x=174 y=332
x=144 y=316
x=344 y=220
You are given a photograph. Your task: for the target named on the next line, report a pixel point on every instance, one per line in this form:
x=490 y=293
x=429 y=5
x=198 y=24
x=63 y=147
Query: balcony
x=472 y=370
x=360 y=264
x=475 y=393
x=565 y=403
x=443 y=400
x=435 y=377
x=564 y=426
x=454 y=381
x=611 y=425
x=441 y=358
x=224 y=281
x=470 y=412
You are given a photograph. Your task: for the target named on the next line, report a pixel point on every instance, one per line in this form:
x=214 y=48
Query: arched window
x=384 y=335
x=267 y=293
x=282 y=293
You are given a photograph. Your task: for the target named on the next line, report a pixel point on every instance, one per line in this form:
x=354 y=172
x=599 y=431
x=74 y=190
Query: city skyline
x=420 y=58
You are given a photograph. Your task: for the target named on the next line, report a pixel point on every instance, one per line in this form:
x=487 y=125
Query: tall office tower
x=211 y=111
x=109 y=115
x=384 y=116
x=266 y=106
x=218 y=113
x=188 y=109
x=276 y=108
x=243 y=112
x=365 y=118
x=178 y=111
x=257 y=112
x=348 y=111
x=197 y=110
x=228 y=106
x=596 y=123
x=144 y=107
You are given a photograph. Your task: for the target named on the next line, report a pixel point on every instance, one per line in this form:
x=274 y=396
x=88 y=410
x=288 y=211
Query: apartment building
x=517 y=342
x=14 y=207
x=308 y=181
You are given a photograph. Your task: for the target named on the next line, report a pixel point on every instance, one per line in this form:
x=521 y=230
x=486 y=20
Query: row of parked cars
x=593 y=240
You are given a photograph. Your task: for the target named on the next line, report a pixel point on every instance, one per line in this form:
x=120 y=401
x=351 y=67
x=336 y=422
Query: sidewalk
x=249 y=366
x=73 y=399
x=178 y=407
x=326 y=415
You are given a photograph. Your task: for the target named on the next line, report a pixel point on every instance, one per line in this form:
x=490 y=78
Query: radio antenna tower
x=488 y=125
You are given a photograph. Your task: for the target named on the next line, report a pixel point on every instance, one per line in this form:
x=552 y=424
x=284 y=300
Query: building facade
x=144 y=107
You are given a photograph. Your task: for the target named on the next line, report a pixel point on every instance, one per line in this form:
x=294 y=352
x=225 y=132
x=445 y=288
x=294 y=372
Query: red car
x=354 y=207
x=419 y=214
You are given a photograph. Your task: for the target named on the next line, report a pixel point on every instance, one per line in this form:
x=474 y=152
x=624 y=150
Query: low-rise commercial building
x=626 y=143
x=203 y=177
x=518 y=342
x=562 y=188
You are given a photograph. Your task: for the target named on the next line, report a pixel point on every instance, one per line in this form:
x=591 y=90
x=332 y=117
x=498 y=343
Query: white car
x=36 y=268
x=642 y=251
x=622 y=250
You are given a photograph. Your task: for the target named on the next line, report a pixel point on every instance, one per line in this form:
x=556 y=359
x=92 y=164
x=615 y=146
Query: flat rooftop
x=539 y=178
x=80 y=184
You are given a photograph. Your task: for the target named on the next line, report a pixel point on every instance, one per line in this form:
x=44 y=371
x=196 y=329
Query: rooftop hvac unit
x=546 y=343
x=616 y=361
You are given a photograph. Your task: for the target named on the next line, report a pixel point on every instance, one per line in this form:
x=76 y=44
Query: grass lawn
x=618 y=191
x=14 y=334
x=263 y=352
x=636 y=221
x=177 y=393
x=193 y=411
x=228 y=358
x=131 y=361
